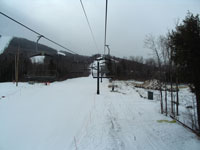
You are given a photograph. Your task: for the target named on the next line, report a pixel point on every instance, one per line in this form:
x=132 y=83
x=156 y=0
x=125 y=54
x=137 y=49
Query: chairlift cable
x=106 y=14
x=37 y=33
x=89 y=25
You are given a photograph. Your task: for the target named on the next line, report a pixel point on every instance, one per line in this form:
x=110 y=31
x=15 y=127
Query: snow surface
x=4 y=42
x=38 y=59
x=187 y=101
x=69 y=115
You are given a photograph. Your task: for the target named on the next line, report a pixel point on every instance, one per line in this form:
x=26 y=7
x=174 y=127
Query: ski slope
x=4 y=42
x=69 y=115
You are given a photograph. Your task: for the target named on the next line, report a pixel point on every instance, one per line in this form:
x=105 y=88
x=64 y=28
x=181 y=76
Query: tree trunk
x=197 y=92
x=171 y=90
x=166 y=112
x=161 y=101
x=172 y=101
x=17 y=67
x=160 y=88
x=177 y=96
x=166 y=99
x=161 y=98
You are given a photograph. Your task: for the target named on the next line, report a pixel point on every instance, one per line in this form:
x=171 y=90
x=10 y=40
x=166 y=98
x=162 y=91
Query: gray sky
x=129 y=21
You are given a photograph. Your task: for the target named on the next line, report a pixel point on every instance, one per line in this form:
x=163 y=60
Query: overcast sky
x=129 y=21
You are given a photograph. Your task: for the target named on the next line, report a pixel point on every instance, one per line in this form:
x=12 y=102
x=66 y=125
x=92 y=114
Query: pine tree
x=185 y=45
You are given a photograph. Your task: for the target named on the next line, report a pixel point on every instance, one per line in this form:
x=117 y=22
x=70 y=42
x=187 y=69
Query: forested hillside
x=58 y=65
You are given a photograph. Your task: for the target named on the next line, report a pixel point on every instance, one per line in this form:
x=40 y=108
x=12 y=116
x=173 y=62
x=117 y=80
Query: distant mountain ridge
x=4 y=42
x=57 y=65
x=28 y=47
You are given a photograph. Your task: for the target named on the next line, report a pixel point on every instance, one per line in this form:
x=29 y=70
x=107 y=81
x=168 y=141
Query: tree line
x=56 y=67
x=176 y=59
x=134 y=68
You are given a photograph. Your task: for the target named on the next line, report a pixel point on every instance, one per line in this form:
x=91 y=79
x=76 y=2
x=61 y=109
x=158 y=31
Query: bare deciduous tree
x=154 y=44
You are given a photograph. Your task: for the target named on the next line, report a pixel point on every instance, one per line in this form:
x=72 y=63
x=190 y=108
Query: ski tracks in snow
x=114 y=131
x=126 y=122
x=56 y=117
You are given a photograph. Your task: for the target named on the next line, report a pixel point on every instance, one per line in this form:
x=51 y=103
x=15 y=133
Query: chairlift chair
x=43 y=75
x=103 y=70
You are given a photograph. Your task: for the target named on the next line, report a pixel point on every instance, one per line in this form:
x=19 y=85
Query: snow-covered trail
x=39 y=117
x=69 y=115
x=121 y=120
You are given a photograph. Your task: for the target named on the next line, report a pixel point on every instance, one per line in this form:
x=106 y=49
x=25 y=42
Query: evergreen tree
x=185 y=46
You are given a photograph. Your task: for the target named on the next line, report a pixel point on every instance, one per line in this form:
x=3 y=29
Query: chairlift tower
x=108 y=49
x=98 y=92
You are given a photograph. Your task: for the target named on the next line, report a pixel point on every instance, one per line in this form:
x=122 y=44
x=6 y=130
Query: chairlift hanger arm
x=38 y=33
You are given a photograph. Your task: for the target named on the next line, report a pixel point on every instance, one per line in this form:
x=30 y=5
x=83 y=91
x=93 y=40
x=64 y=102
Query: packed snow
x=4 y=42
x=187 y=100
x=69 y=115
